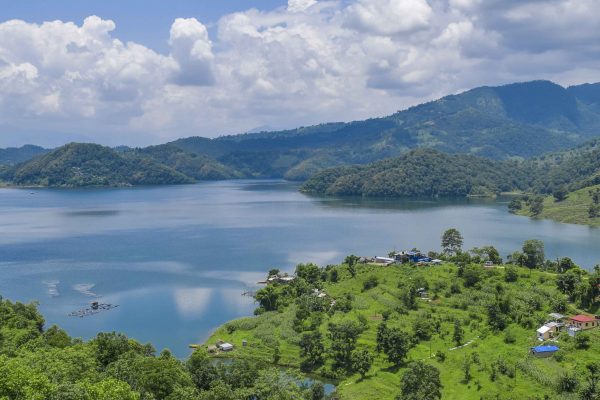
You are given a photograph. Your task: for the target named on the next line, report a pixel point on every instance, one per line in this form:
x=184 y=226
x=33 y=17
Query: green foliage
x=362 y=360
x=533 y=250
x=370 y=282
x=452 y=241
x=420 y=382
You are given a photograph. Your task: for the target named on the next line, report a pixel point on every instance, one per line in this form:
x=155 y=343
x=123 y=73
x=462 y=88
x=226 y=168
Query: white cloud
x=300 y=5
x=389 y=17
x=310 y=62
x=192 y=49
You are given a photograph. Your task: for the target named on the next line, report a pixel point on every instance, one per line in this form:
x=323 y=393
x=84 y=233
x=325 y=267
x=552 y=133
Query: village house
x=583 y=322
x=226 y=347
x=548 y=331
x=384 y=260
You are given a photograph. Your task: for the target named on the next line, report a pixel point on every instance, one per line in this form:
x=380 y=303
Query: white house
x=226 y=346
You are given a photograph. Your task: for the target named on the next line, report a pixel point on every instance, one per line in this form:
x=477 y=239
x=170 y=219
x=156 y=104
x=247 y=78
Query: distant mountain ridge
x=15 y=155
x=515 y=121
x=520 y=120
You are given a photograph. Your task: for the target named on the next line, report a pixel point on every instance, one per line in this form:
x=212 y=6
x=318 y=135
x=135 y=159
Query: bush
x=370 y=283
x=509 y=336
x=582 y=341
x=511 y=274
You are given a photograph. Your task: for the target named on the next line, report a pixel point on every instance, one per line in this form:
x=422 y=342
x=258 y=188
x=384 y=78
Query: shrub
x=370 y=283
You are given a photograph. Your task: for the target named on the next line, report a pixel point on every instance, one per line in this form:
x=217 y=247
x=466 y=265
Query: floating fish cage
x=94 y=308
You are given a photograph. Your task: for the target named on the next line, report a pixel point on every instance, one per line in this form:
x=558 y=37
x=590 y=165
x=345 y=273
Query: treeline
x=429 y=173
x=47 y=364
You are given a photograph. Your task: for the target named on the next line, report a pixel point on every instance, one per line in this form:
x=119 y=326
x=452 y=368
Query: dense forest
x=428 y=173
x=521 y=120
x=46 y=364
x=77 y=165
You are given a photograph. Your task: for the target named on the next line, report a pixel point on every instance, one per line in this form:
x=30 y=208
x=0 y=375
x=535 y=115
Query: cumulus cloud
x=310 y=62
x=192 y=49
x=389 y=17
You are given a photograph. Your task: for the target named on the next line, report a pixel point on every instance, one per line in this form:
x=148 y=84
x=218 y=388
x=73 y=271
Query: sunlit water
x=177 y=259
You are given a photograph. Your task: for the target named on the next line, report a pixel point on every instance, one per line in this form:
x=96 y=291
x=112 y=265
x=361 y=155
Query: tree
x=536 y=205
x=594 y=211
x=351 y=261
x=582 y=341
x=420 y=382
x=511 y=274
x=311 y=350
x=591 y=391
x=565 y=264
x=459 y=334
x=267 y=298
x=452 y=241
x=560 y=193
x=396 y=346
x=311 y=273
x=567 y=282
x=533 y=251
x=472 y=275
x=343 y=338
x=362 y=361
x=515 y=205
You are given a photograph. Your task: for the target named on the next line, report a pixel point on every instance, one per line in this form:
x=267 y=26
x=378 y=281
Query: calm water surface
x=176 y=259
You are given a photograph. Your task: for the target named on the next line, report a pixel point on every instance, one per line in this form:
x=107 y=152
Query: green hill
x=473 y=325
x=15 y=155
x=420 y=173
x=78 y=165
x=520 y=120
x=197 y=166
x=578 y=207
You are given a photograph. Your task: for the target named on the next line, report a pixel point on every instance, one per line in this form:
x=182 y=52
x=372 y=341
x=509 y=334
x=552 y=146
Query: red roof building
x=584 y=322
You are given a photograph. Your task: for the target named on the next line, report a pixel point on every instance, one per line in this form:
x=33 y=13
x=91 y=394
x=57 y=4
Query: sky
x=141 y=72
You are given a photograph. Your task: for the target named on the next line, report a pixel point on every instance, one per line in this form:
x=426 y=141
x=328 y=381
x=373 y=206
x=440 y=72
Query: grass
x=572 y=210
x=534 y=378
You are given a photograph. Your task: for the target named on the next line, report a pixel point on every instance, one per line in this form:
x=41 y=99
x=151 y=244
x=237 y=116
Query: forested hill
x=78 y=165
x=518 y=120
x=429 y=173
x=421 y=173
x=15 y=155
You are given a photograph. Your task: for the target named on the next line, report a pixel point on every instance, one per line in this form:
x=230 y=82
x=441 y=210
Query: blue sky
x=140 y=72
x=143 y=21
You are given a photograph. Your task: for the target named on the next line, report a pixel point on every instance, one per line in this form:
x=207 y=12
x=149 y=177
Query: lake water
x=176 y=259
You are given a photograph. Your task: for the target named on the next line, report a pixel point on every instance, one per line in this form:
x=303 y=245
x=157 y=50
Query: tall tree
x=452 y=241
x=533 y=250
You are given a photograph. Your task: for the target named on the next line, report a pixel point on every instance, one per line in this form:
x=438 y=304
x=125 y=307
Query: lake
x=177 y=259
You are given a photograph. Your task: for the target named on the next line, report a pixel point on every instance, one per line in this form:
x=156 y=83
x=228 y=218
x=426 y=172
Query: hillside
x=420 y=173
x=518 y=120
x=472 y=326
x=79 y=165
x=15 y=155
x=197 y=166
x=578 y=207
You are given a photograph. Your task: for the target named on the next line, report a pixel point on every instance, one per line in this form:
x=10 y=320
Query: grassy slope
x=573 y=210
x=382 y=382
